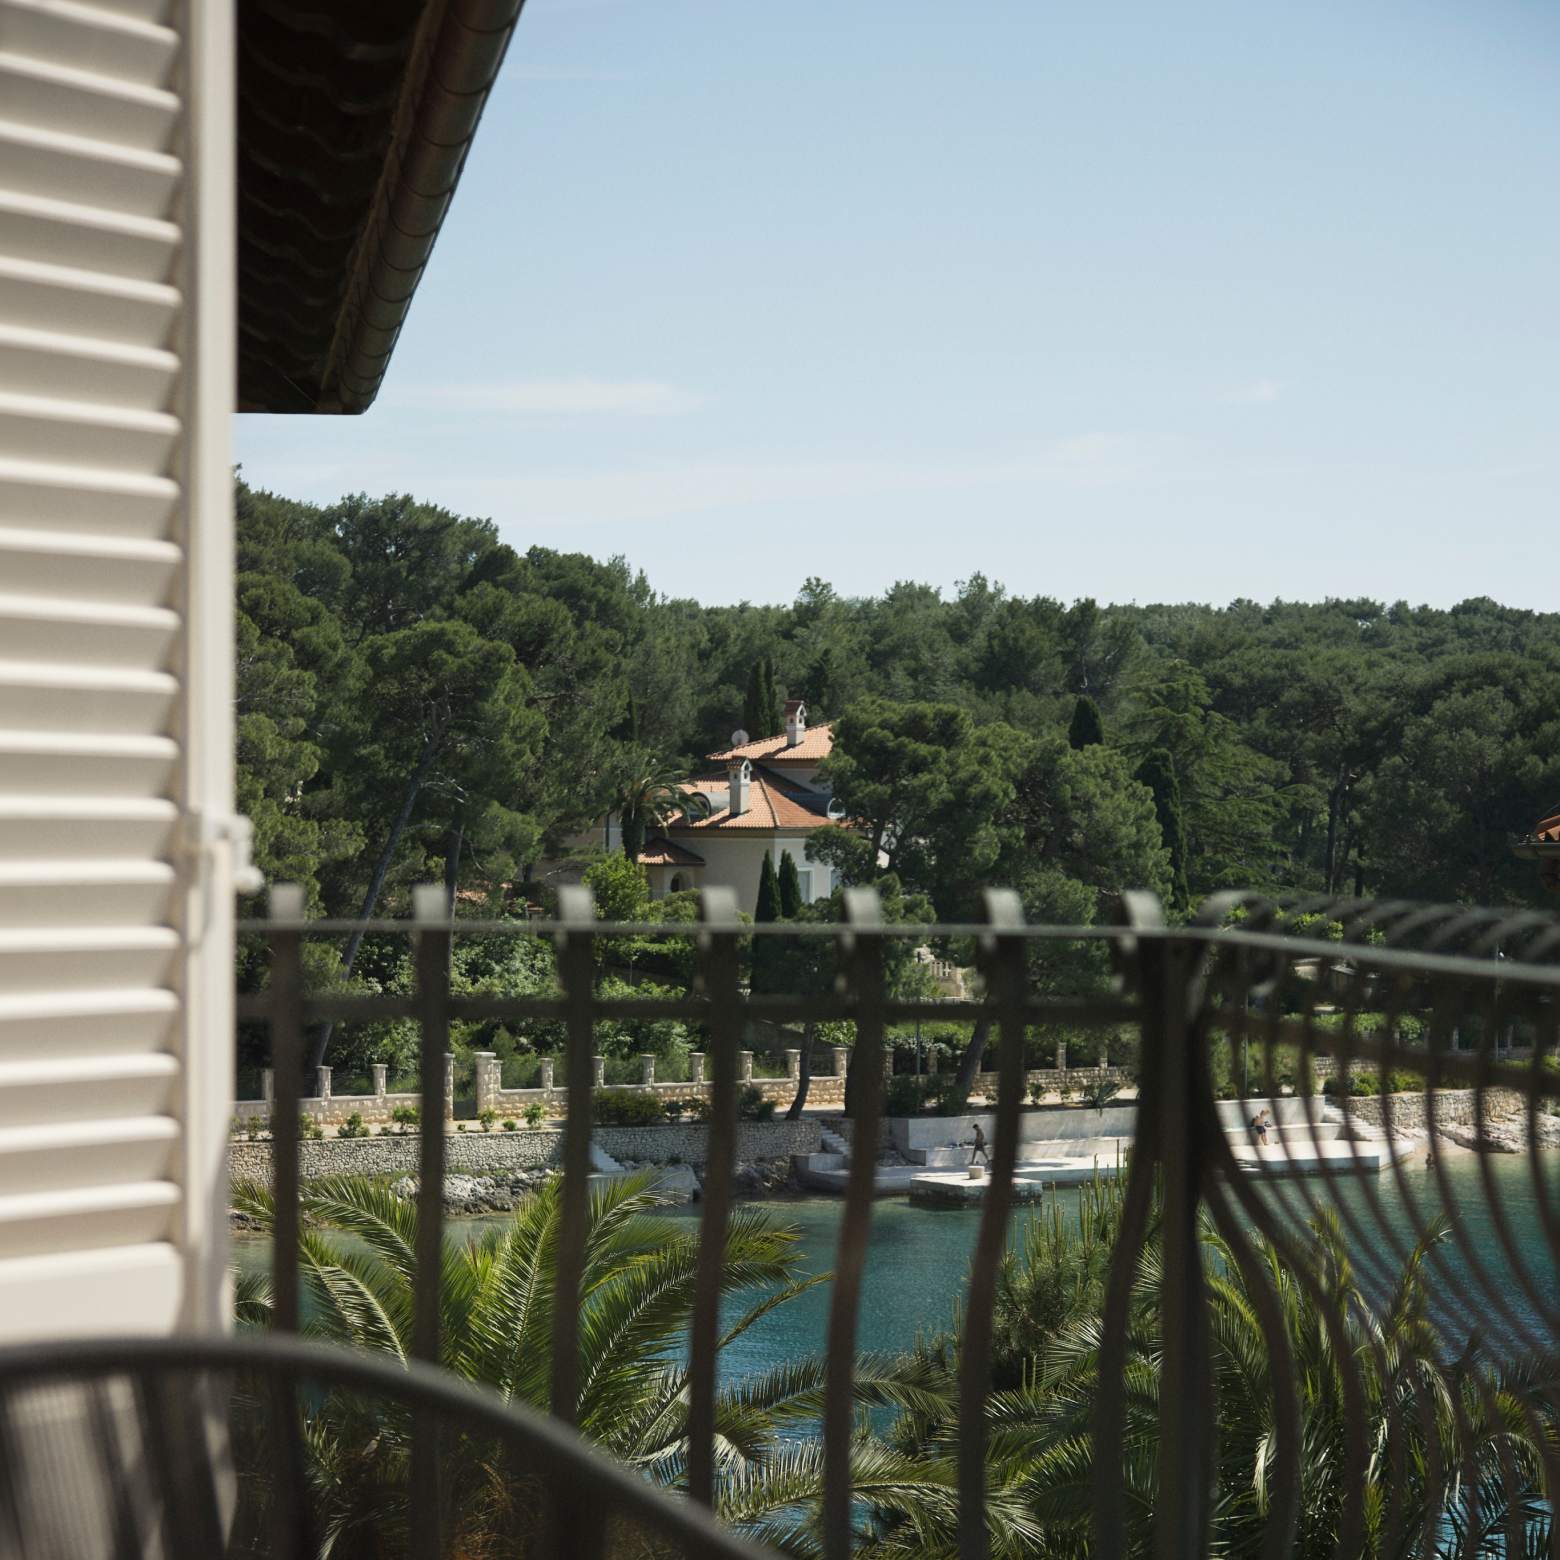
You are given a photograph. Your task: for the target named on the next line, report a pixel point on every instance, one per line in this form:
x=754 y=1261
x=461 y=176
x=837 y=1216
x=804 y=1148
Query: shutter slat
x=85 y=238
x=106 y=699
x=105 y=503
x=73 y=828
x=77 y=368
x=89 y=38
x=142 y=1283
x=84 y=171
x=86 y=303
x=85 y=1026
x=86 y=103
x=85 y=632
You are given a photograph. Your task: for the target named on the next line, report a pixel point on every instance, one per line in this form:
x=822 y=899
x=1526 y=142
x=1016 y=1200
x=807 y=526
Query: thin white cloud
x=673 y=489
x=575 y=397
x=1260 y=392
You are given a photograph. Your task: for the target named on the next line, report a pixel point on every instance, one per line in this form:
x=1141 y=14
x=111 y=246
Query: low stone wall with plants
x=487 y=1153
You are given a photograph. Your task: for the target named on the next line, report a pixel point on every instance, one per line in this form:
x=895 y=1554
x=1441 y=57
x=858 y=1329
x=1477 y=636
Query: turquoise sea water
x=918 y=1258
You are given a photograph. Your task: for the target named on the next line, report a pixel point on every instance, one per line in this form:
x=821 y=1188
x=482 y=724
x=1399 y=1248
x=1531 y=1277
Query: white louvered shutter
x=115 y=713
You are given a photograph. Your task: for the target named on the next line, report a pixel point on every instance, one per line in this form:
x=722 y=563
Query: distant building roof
x=773 y=805
x=668 y=853
x=816 y=745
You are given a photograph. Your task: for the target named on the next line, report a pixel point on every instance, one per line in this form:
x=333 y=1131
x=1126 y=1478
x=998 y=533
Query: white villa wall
x=736 y=861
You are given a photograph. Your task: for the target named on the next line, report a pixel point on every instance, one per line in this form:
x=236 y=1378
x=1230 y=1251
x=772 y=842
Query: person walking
x=978 y=1153
x=1260 y=1123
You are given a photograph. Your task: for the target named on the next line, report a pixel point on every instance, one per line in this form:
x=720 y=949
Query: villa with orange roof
x=758 y=798
x=1542 y=844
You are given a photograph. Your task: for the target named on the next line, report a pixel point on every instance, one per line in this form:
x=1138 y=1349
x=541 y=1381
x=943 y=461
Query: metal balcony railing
x=1323 y=1328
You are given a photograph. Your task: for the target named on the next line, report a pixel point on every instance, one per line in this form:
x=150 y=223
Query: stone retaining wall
x=1452 y=1107
x=481 y=1153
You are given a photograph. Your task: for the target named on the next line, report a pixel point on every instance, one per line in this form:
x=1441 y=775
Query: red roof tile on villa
x=668 y=853
x=816 y=745
x=773 y=805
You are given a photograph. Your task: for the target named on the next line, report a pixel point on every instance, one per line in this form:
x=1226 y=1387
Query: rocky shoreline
x=474 y=1195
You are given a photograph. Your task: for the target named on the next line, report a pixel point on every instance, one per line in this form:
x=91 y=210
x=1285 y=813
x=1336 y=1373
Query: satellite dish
x=836 y=811
x=739 y=738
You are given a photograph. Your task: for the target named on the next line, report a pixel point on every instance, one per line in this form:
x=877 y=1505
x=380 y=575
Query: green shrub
x=487 y=1119
x=510 y=1124
x=673 y=1109
x=905 y=1095
x=625 y=1108
x=405 y=1117
x=353 y=1127
x=1101 y=1092
x=1366 y=1081
x=752 y=1106
x=309 y=1130
x=697 y=1109
x=535 y=1112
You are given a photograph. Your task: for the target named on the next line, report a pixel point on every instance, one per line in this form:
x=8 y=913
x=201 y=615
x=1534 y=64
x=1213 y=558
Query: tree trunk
x=1334 y=860
x=376 y=883
x=631 y=826
x=804 y=1077
x=969 y=1063
x=452 y=844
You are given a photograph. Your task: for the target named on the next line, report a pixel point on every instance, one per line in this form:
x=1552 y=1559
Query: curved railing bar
x=556 y=1451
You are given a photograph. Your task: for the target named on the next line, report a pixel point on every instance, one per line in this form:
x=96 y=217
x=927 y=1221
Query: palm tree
x=357 y=1269
x=1442 y=1436
x=650 y=793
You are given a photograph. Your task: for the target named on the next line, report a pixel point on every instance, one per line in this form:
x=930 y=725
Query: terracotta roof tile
x=816 y=745
x=773 y=803
x=668 y=853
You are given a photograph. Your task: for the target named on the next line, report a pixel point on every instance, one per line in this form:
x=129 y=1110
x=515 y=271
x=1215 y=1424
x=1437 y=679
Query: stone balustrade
x=826 y=1088
x=328 y=1108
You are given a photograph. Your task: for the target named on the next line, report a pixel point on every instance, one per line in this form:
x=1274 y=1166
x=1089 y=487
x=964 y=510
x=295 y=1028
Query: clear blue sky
x=1134 y=300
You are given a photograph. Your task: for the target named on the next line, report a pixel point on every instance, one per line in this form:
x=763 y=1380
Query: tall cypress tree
x=770 y=725
x=1087 y=729
x=790 y=884
x=753 y=701
x=1157 y=772
x=766 y=950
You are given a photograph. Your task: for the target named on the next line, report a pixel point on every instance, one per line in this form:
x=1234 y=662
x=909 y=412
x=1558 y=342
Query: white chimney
x=738 y=776
x=795 y=722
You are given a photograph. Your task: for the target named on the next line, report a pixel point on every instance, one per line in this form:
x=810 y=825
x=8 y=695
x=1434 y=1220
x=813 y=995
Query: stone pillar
x=268 y=1085
x=841 y=1060
x=381 y=1076
x=888 y=1062
x=646 y=1067
x=598 y=1071
x=322 y=1082
x=696 y=1067
x=1061 y=1056
x=487 y=1068
x=793 y=1066
x=449 y=1085
x=744 y=1066
x=931 y=1061
x=546 y=1080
